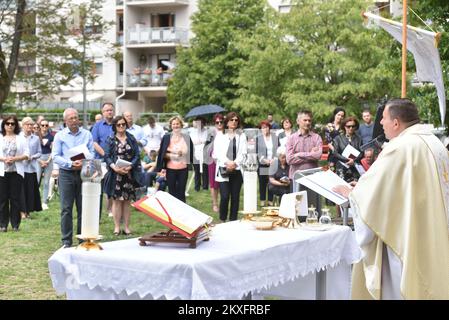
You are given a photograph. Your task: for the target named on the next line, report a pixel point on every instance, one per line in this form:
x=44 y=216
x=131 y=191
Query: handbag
x=225 y=173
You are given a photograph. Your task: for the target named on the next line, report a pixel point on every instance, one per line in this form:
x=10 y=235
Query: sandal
x=117 y=233
x=215 y=208
x=127 y=233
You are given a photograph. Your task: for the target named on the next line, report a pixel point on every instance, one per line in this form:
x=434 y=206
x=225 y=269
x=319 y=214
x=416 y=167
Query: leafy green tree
x=318 y=56
x=207 y=71
x=39 y=33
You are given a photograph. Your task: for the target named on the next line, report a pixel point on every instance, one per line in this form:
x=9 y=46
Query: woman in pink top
x=174 y=156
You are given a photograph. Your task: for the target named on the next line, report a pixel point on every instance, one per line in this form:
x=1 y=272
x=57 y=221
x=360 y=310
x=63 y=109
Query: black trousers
x=230 y=190
x=176 y=182
x=10 y=195
x=201 y=176
x=263 y=188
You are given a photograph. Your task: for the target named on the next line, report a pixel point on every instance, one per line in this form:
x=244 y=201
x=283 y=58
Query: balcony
x=142 y=82
x=140 y=35
x=120 y=81
x=157 y=3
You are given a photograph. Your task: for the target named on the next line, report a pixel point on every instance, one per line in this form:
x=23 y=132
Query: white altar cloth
x=235 y=261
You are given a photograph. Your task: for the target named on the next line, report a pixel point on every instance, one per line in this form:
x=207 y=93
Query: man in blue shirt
x=103 y=129
x=69 y=171
x=135 y=130
x=100 y=132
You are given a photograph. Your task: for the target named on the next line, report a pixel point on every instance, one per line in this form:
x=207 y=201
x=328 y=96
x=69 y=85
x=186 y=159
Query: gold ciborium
x=89 y=243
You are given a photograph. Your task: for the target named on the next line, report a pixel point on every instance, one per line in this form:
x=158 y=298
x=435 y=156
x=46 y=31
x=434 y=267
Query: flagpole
x=404 y=49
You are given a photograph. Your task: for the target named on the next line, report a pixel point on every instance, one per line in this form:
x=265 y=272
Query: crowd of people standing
x=160 y=159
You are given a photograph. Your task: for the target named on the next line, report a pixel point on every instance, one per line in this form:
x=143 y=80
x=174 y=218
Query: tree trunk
x=7 y=73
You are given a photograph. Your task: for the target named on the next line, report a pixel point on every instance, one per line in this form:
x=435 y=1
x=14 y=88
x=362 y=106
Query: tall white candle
x=90 y=218
x=250 y=191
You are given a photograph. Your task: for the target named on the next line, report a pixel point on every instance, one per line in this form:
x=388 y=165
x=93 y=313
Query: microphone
x=375 y=143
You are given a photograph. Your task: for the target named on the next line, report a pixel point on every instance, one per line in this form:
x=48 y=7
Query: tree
x=37 y=32
x=21 y=44
x=318 y=56
x=207 y=71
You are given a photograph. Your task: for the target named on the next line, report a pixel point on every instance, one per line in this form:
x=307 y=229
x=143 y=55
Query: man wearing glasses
x=69 y=171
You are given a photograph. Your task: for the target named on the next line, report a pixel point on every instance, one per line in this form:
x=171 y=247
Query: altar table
x=238 y=261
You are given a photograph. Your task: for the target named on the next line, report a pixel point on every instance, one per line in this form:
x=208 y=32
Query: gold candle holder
x=89 y=243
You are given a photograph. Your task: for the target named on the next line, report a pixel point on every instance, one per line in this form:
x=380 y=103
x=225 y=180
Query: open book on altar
x=173 y=213
x=322 y=183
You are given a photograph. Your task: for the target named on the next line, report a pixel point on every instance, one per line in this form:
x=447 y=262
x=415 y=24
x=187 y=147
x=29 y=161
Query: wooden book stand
x=172 y=236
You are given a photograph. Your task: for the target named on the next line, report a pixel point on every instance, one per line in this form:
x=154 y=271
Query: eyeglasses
x=44 y=125
x=218 y=122
x=12 y=124
x=234 y=119
x=350 y=126
x=121 y=125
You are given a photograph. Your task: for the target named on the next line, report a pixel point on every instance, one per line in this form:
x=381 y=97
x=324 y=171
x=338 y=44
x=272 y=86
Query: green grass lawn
x=24 y=254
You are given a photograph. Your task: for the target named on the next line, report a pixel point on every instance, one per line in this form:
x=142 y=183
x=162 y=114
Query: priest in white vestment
x=401 y=215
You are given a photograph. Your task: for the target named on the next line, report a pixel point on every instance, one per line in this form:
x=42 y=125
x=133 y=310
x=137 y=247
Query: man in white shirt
x=153 y=135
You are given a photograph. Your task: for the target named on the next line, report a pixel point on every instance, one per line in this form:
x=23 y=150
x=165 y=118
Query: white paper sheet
x=322 y=182
x=122 y=163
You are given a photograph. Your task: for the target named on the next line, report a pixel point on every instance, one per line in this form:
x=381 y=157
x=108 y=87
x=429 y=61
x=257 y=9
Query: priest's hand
x=350 y=162
x=342 y=190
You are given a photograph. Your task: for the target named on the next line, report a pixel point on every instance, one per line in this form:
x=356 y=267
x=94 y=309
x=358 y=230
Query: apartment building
x=151 y=31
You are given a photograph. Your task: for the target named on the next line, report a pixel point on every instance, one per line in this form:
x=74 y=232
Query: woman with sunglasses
x=121 y=181
x=45 y=162
x=218 y=120
x=13 y=152
x=230 y=149
x=346 y=166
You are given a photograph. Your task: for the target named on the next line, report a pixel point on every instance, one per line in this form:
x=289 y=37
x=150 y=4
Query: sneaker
x=66 y=245
x=44 y=206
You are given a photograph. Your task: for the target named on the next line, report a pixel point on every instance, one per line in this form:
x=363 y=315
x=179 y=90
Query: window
x=163 y=57
x=26 y=67
x=93 y=29
x=162 y=20
x=98 y=68
x=120 y=22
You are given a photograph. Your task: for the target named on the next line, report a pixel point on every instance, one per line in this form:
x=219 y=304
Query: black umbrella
x=203 y=110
